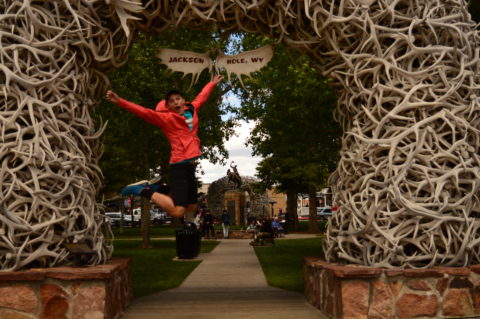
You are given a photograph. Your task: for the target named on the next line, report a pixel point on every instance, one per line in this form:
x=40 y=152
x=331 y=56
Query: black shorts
x=183 y=184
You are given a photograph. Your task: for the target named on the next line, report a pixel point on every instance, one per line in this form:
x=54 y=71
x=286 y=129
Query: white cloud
x=240 y=154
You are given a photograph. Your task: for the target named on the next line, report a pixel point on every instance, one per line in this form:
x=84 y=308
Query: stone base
x=351 y=291
x=240 y=234
x=90 y=292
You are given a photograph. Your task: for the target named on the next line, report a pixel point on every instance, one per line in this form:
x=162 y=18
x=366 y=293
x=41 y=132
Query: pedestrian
x=225 y=223
x=179 y=122
x=209 y=231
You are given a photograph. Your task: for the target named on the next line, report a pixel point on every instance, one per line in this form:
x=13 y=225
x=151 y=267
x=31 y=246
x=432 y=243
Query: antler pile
x=48 y=146
x=408 y=180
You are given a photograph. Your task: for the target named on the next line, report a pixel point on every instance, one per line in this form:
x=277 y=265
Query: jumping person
x=178 y=120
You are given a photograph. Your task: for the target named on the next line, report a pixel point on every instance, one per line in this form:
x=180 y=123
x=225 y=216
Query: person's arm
x=146 y=114
x=202 y=97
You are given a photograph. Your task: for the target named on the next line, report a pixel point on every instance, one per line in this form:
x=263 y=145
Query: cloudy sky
x=239 y=153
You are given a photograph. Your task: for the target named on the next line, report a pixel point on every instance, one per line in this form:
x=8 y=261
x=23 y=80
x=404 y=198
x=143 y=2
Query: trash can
x=188 y=243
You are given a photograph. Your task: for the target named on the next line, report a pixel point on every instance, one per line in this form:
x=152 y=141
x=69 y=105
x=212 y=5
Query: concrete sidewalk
x=228 y=283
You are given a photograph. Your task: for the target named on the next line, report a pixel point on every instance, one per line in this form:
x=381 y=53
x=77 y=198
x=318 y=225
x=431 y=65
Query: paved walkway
x=228 y=284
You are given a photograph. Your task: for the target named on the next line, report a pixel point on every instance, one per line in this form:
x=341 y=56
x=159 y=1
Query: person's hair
x=172 y=92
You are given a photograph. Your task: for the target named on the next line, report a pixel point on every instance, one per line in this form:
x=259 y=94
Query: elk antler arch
x=408 y=70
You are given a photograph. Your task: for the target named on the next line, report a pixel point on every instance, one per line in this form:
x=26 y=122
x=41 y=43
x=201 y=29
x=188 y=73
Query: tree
x=295 y=131
x=474 y=8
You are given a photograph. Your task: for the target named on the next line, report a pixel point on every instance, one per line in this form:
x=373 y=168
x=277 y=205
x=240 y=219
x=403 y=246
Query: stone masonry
x=91 y=292
x=357 y=292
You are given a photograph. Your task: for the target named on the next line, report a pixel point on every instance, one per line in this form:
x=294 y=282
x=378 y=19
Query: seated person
x=252 y=227
x=277 y=227
x=265 y=234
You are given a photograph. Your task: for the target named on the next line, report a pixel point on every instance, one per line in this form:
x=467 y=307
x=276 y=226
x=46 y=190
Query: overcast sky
x=239 y=153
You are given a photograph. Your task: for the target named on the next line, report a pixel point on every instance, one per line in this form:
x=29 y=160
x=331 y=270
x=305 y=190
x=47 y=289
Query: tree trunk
x=132 y=221
x=312 y=210
x=292 y=209
x=145 y=223
x=122 y=216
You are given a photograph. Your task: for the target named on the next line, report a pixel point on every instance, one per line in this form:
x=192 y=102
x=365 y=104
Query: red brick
x=457 y=303
x=476 y=298
x=422 y=273
x=475 y=268
x=54 y=302
x=323 y=291
x=8 y=314
x=88 y=272
x=382 y=301
x=393 y=272
x=412 y=305
x=460 y=282
x=18 y=297
x=88 y=302
x=396 y=286
x=354 y=272
x=355 y=295
x=441 y=285
x=454 y=271
x=418 y=284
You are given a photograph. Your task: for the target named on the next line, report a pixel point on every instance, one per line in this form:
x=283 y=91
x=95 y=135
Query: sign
x=194 y=63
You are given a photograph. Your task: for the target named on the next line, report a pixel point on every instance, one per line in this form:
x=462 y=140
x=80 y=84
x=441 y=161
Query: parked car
x=113 y=218
x=159 y=217
x=127 y=217
x=324 y=212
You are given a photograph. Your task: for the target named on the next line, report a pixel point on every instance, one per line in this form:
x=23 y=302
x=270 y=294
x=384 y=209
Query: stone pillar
x=239 y=198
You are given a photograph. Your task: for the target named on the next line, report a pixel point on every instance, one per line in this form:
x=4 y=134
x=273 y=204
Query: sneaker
x=155 y=180
x=158 y=185
x=135 y=188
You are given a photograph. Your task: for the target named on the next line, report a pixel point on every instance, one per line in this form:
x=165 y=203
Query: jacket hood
x=161 y=106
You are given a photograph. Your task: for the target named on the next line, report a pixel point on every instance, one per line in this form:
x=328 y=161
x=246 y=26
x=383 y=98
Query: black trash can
x=188 y=243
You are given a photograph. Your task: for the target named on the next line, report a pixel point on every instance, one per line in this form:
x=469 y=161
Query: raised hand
x=112 y=96
x=217 y=79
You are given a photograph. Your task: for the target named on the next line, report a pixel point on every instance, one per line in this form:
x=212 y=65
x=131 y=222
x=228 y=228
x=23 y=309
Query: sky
x=240 y=154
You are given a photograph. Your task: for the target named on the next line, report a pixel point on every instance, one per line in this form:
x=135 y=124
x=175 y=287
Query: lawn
x=155 y=231
x=283 y=264
x=303 y=226
x=169 y=230
x=153 y=269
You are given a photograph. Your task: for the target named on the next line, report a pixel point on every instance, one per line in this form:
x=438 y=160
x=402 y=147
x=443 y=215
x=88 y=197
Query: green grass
x=283 y=264
x=303 y=225
x=155 y=231
x=153 y=269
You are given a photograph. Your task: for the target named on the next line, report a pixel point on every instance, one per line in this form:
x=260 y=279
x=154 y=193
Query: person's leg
x=224 y=230
x=191 y=191
x=179 y=189
x=166 y=203
x=157 y=193
x=212 y=231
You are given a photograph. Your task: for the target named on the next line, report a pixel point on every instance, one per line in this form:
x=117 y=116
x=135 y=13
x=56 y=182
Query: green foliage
x=153 y=269
x=283 y=264
x=474 y=8
x=293 y=107
x=136 y=150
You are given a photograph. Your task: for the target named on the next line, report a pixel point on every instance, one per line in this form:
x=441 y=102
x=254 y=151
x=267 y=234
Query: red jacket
x=184 y=142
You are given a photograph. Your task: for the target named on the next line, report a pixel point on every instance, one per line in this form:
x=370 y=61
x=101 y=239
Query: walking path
x=229 y=283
